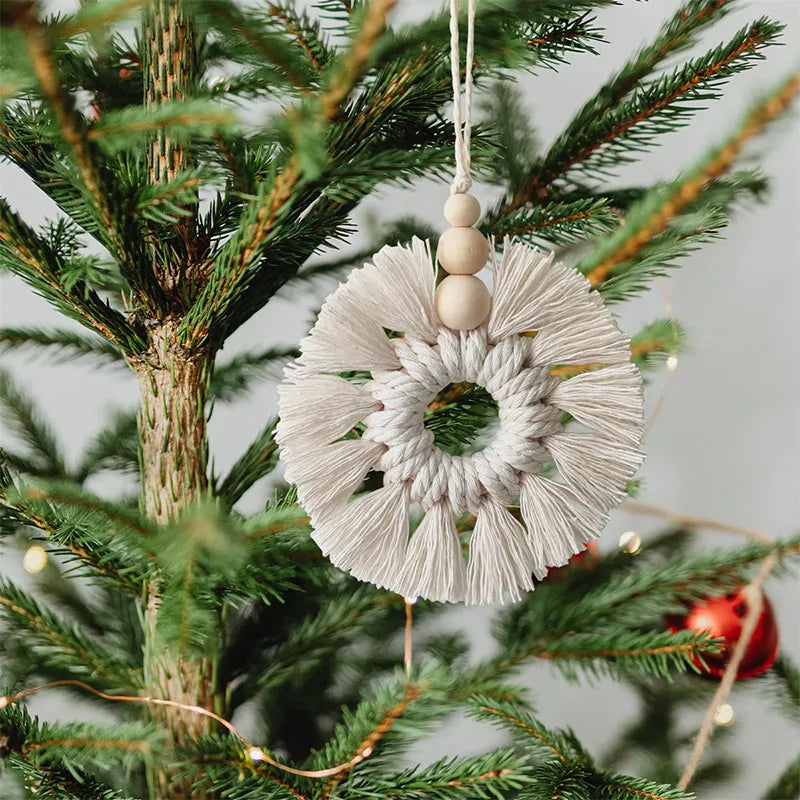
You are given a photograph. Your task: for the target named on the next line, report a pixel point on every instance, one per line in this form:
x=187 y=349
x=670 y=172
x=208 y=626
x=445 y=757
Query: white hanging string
x=463 y=179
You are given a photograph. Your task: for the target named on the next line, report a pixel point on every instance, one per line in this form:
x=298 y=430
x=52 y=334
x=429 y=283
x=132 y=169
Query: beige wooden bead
x=462 y=302
x=462 y=251
x=462 y=210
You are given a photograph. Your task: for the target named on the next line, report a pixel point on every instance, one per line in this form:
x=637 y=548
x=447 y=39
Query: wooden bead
x=462 y=302
x=463 y=251
x=462 y=210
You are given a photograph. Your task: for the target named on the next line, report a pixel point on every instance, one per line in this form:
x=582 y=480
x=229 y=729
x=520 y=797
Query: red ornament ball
x=125 y=73
x=723 y=617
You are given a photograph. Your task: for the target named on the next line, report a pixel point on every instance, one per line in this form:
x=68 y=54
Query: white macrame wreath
x=543 y=315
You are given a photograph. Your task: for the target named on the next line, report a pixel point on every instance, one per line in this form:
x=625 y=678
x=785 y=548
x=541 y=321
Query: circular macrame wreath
x=353 y=377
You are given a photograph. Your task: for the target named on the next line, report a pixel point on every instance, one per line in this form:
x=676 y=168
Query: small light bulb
x=4 y=701
x=366 y=752
x=35 y=559
x=724 y=715
x=630 y=542
x=411 y=600
x=672 y=363
x=256 y=754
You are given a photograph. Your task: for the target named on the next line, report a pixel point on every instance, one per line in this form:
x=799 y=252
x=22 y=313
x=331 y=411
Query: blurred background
x=725 y=444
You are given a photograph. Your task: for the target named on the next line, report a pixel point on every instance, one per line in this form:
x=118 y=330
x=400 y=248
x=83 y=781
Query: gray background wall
x=726 y=444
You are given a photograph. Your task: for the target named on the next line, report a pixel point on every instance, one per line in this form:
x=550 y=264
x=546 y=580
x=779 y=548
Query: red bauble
x=586 y=559
x=723 y=618
x=125 y=73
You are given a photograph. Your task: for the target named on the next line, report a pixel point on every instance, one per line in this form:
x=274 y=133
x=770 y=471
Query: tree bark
x=173 y=383
x=174 y=448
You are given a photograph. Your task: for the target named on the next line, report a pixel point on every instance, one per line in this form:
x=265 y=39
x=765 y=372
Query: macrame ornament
x=354 y=403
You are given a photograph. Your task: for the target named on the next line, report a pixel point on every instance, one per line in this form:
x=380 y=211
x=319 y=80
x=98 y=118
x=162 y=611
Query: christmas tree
x=205 y=156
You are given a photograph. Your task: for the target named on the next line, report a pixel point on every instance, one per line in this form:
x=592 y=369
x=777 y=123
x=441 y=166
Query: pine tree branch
x=653 y=654
x=367 y=746
x=482 y=777
x=680 y=32
x=246 y=246
x=317 y=637
x=784 y=686
x=33 y=259
x=24 y=420
x=652 y=214
x=513 y=718
x=59 y=646
x=257 y=461
x=787 y=784
x=58 y=758
x=603 y=141
x=623 y=787
x=111 y=553
x=22 y=144
x=557 y=222
x=75 y=134
x=304 y=33
x=259 y=38
x=60 y=342
x=232 y=379
x=116 y=447
x=71 y=495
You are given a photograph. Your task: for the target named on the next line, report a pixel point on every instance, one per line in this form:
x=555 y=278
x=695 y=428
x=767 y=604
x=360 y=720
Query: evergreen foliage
x=177 y=223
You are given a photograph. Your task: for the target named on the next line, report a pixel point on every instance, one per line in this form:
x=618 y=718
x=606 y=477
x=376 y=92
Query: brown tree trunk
x=172 y=431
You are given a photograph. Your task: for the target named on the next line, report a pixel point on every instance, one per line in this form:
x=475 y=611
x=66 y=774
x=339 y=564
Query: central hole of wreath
x=461 y=415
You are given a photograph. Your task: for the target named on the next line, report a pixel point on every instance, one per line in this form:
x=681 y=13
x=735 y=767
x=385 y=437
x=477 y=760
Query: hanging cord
x=463 y=180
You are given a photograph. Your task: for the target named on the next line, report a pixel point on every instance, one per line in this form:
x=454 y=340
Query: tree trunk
x=174 y=383
x=174 y=448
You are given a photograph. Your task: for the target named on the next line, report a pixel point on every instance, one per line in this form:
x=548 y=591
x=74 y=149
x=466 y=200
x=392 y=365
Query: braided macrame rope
x=463 y=131
x=368 y=535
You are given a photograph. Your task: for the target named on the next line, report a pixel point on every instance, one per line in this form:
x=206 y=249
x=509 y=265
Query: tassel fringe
x=326 y=476
x=558 y=523
x=435 y=567
x=610 y=400
x=500 y=558
x=597 y=467
x=321 y=408
x=397 y=290
x=344 y=339
x=368 y=539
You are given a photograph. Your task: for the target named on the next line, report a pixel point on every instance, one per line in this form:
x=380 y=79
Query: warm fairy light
x=672 y=362
x=411 y=600
x=630 y=542
x=35 y=559
x=724 y=715
x=256 y=754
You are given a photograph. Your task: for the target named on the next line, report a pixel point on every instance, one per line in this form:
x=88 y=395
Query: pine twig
x=634 y=237
x=75 y=135
x=367 y=746
x=280 y=14
x=232 y=263
x=524 y=726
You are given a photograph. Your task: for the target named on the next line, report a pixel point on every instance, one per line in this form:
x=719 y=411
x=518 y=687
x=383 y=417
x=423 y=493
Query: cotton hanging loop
x=463 y=132
x=337 y=426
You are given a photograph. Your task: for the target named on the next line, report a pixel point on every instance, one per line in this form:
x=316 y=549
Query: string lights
x=724 y=715
x=35 y=559
x=630 y=542
x=252 y=752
